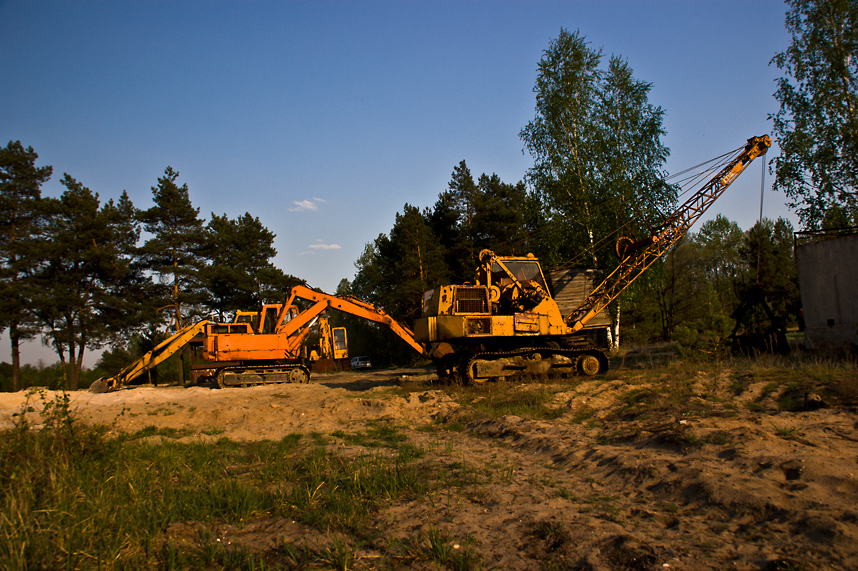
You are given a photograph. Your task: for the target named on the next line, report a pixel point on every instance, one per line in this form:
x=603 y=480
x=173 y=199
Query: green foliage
x=596 y=145
x=817 y=125
x=92 y=291
x=21 y=220
x=701 y=338
x=719 y=241
x=767 y=253
x=396 y=269
x=690 y=295
x=643 y=318
x=469 y=217
x=240 y=275
x=47 y=376
x=499 y=222
x=453 y=221
x=173 y=251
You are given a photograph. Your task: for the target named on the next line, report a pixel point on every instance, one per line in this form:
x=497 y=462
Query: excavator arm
x=636 y=257
x=163 y=351
x=322 y=301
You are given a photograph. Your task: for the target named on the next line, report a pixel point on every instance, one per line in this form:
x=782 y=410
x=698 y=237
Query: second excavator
x=258 y=347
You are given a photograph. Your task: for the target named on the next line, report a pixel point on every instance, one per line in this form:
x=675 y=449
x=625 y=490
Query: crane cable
x=760 y=224
x=687 y=184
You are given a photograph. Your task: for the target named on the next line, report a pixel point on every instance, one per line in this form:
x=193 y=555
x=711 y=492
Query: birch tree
x=817 y=125
x=596 y=145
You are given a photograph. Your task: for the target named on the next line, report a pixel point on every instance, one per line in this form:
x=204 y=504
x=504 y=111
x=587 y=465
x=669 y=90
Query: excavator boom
x=636 y=257
x=163 y=351
x=322 y=301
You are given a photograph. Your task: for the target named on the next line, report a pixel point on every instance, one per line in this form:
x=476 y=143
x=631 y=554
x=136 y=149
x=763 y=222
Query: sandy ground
x=750 y=490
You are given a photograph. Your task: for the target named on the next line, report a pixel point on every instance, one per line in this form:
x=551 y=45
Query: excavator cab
x=515 y=284
x=249 y=317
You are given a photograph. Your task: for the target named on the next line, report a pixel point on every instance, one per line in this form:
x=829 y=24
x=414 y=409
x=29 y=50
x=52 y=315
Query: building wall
x=570 y=286
x=828 y=280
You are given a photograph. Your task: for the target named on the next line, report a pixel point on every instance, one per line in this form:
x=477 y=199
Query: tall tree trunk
x=14 y=334
x=62 y=353
x=614 y=329
x=182 y=366
x=15 y=338
x=78 y=365
x=72 y=377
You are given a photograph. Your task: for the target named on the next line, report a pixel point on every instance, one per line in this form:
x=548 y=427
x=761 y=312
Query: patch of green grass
x=769 y=389
x=166 y=432
x=70 y=497
x=694 y=440
x=754 y=406
x=792 y=396
x=639 y=396
x=583 y=414
x=161 y=411
x=379 y=435
x=340 y=556
x=493 y=400
x=740 y=383
x=785 y=432
x=440 y=548
x=207 y=555
x=606 y=504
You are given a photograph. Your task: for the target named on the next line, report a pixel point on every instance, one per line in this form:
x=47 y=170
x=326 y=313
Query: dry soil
x=748 y=488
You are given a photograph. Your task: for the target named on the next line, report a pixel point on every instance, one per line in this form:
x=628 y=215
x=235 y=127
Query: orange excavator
x=257 y=347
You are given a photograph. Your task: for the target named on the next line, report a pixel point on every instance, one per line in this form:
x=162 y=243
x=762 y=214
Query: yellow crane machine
x=507 y=324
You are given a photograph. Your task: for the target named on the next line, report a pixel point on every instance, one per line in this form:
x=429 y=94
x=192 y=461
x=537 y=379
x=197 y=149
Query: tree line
x=75 y=271
x=692 y=291
x=598 y=174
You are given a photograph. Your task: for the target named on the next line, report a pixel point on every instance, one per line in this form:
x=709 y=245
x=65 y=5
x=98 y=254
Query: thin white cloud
x=306 y=205
x=302 y=205
x=325 y=246
x=307 y=252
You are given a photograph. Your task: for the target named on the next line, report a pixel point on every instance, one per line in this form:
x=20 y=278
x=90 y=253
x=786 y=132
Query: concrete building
x=828 y=280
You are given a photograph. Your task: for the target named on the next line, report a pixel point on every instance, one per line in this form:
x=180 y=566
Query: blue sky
x=324 y=118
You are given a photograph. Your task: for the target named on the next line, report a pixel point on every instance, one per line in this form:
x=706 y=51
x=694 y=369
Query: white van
x=361 y=363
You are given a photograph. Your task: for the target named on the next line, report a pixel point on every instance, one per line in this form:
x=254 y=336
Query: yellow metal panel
x=503 y=325
x=526 y=323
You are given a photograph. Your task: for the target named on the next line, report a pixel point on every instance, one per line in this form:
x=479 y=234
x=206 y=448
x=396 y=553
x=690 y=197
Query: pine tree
x=21 y=221
x=91 y=290
x=240 y=274
x=395 y=271
x=499 y=219
x=173 y=251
